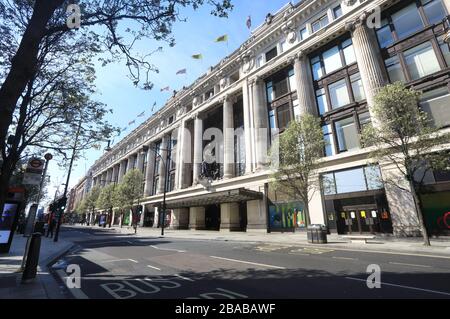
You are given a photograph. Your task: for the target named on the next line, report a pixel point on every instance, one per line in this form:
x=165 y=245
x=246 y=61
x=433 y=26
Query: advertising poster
x=6 y=222
x=287 y=216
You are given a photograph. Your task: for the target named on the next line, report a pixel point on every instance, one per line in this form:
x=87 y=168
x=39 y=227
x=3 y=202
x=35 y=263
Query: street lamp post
x=74 y=153
x=166 y=177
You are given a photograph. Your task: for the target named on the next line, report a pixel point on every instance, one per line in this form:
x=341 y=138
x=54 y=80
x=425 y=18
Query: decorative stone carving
x=349 y=3
x=223 y=83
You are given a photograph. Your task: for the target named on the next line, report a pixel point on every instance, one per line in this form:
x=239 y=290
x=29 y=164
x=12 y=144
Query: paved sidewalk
x=44 y=286
x=439 y=246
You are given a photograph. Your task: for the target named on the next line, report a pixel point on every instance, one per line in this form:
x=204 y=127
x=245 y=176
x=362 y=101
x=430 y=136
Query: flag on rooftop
x=132 y=122
x=142 y=114
x=197 y=56
x=182 y=71
x=223 y=38
x=167 y=88
x=249 y=22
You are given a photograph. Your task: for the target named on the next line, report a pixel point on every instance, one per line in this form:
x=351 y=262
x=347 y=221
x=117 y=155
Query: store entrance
x=358 y=219
x=212 y=217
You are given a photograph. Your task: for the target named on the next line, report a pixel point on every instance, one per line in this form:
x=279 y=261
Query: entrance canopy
x=231 y=196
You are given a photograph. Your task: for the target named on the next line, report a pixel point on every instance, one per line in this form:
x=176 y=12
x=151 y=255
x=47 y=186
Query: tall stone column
x=180 y=218
x=261 y=123
x=130 y=163
x=228 y=138
x=162 y=164
x=305 y=90
x=108 y=176
x=140 y=161
x=198 y=148
x=144 y=211
x=178 y=156
x=122 y=170
x=247 y=128
x=197 y=218
x=115 y=173
x=229 y=217
x=150 y=171
x=156 y=218
x=368 y=55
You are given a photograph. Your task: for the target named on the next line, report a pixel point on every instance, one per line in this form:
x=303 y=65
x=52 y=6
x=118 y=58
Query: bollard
x=32 y=261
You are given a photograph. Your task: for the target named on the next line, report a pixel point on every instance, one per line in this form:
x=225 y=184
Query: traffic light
x=59 y=206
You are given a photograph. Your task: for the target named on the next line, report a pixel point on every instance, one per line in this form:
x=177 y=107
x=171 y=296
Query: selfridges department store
x=320 y=57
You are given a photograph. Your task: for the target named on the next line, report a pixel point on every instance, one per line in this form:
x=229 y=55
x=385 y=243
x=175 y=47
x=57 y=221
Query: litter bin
x=317 y=234
x=39 y=228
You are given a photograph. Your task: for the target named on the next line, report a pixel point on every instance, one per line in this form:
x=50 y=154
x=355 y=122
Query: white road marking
x=184 y=278
x=115 y=260
x=248 y=262
x=76 y=292
x=233 y=293
x=168 y=249
x=390 y=253
x=405 y=287
x=345 y=258
x=298 y=254
x=153 y=267
x=413 y=265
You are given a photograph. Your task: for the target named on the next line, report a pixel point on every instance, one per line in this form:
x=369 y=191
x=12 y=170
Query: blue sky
x=197 y=35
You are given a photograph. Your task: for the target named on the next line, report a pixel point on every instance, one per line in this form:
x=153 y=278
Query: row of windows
x=352 y=180
x=418 y=62
x=303 y=34
x=409 y=20
x=340 y=93
x=333 y=59
x=347 y=133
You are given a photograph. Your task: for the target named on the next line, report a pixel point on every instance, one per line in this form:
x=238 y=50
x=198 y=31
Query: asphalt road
x=117 y=266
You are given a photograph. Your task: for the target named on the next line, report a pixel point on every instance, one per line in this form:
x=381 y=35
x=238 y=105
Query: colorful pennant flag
x=132 y=122
x=197 y=56
x=182 y=71
x=223 y=38
x=142 y=114
x=153 y=107
x=249 y=22
x=167 y=88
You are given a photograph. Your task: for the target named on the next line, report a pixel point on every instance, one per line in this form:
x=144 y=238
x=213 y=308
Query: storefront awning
x=231 y=196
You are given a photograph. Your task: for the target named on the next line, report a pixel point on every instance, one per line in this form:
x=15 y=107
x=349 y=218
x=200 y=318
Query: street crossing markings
x=248 y=262
x=405 y=287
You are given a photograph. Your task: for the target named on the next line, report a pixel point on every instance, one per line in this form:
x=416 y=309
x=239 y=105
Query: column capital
x=360 y=21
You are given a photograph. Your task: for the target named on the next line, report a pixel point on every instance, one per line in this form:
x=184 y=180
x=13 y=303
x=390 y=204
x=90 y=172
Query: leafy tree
x=91 y=199
x=28 y=25
x=56 y=99
x=35 y=35
x=404 y=136
x=81 y=208
x=106 y=198
x=300 y=148
x=129 y=190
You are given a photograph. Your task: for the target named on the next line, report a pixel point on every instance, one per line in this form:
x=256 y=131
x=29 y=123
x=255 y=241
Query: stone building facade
x=324 y=57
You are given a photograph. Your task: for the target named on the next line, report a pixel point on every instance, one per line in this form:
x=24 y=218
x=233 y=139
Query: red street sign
x=35 y=163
